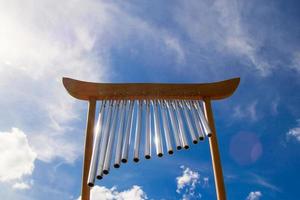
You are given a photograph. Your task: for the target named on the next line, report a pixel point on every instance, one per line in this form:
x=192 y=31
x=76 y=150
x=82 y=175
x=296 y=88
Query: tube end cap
x=116 y=165
x=105 y=171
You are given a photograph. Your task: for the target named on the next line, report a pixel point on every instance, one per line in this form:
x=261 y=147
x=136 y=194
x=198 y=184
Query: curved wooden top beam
x=100 y=91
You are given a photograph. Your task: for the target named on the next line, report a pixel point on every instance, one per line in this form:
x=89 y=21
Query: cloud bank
x=256 y=195
x=294 y=132
x=103 y=193
x=43 y=41
x=188 y=182
x=17 y=156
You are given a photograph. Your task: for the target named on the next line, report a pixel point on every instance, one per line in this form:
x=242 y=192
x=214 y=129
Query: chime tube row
x=196 y=120
x=189 y=122
x=174 y=126
x=129 y=125
x=111 y=139
x=180 y=125
x=104 y=141
x=166 y=127
x=97 y=138
x=118 y=152
x=203 y=120
x=115 y=126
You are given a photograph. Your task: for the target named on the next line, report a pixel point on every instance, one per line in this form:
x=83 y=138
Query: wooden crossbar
x=100 y=91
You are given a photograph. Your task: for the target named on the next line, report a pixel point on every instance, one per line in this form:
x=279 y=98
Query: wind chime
x=172 y=114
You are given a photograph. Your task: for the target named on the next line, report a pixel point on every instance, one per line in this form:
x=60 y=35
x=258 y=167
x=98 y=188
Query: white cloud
x=295 y=132
x=274 y=105
x=17 y=156
x=50 y=146
x=296 y=61
x=263 y=182
x=218 y=26
x=237 y=40
x=188 y=180
x=256 y=195
x=173 y=44
x=248 y=111
x=22 y=185
x=43 y=41
x=103 y=193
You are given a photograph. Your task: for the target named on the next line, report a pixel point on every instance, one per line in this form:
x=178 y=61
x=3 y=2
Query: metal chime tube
x=148 y=131
x=189 y=123
x=104 y=141
x=111 y=140
x=120 y=135
x=204 y=122
x=181 y=126
x=129 y=124
x=197 y=122
x=174 y=126
x=138 y=131
x=158 y=143
x=97 y=138
x=166 y=127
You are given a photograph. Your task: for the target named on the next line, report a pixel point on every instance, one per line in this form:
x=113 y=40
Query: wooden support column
x=214 y=151
x=85 y=189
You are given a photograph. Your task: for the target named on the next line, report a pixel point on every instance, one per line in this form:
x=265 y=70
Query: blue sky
x=42 y=127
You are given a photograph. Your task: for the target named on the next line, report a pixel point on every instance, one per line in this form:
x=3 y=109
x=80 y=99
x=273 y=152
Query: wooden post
x=85 y=189
x=214 y=151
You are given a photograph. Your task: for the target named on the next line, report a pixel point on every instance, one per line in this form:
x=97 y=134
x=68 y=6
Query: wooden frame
x=92 y=92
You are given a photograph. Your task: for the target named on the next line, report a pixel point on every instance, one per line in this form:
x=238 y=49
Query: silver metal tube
x=181 y=126
x=97 y=138
x=158 y=139
x=203 y=119
x=138 y=131
x=189 y=122
x=111 y=139
x=148 y=131
x=104 y=141
x=174 y=125
x=129 y=124
x=196 y=119
x=120 y=135
x=166 y=127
